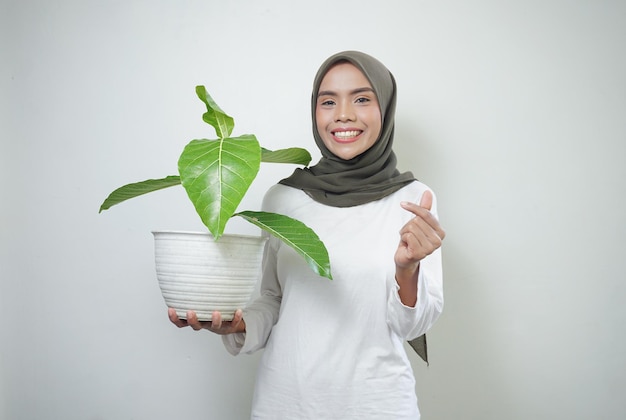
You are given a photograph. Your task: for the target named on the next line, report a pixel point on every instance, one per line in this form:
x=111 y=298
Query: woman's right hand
x=216 y=324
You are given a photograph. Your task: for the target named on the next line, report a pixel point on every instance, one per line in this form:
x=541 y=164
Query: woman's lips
x=346 y=136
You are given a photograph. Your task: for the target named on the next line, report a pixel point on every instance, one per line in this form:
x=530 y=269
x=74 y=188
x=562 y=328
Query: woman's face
x=347 y=112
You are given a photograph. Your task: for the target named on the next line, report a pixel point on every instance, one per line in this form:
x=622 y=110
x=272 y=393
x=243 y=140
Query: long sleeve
x=261 y=315
x=411 y=322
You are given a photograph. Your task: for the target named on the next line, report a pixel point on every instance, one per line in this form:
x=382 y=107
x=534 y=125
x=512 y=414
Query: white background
x=514 y=112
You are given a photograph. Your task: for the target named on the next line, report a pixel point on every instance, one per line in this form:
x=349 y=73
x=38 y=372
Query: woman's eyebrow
x=353 y=92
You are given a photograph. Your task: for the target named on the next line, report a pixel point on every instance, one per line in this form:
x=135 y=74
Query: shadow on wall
x=469 y=352
x=416 y=152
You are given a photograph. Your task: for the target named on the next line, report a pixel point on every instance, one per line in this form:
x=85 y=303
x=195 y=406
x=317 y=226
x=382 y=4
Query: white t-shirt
x=334 y=348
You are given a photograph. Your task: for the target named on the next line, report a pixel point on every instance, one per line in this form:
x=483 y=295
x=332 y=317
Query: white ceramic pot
x=197 y=273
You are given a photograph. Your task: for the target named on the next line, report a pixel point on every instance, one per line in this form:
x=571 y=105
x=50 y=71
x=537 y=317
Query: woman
x=334 y=349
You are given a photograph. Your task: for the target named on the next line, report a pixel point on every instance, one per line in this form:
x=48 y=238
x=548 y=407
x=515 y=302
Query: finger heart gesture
x=421 y=235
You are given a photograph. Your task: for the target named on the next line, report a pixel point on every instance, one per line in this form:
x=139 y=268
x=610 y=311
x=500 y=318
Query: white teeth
x=347 y=134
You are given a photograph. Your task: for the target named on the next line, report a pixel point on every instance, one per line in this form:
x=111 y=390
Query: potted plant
x=216 y=175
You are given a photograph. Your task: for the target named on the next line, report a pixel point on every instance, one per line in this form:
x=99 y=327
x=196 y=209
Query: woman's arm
x=415 y=299
x=419 y=237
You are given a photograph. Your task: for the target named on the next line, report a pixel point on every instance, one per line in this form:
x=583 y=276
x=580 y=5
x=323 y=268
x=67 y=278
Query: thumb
x=426 y=201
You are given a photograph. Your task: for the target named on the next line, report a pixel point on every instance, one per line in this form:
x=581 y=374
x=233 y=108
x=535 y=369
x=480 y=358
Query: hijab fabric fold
x=369 y=176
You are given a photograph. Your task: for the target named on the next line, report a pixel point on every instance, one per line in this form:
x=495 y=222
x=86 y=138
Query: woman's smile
x=346 y=136
x=347 y=114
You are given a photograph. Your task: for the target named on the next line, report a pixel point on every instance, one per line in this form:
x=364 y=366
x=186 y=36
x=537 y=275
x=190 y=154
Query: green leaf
x=216 y=175
x=295 y=155
x=222 y=122
x=295 y=234
x=138 y=188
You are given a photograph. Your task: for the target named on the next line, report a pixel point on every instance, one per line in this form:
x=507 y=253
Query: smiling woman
x=347 y=113
x=335 y=349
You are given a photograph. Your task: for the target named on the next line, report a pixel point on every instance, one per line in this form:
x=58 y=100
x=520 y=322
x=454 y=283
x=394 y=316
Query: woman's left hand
x=421 y=236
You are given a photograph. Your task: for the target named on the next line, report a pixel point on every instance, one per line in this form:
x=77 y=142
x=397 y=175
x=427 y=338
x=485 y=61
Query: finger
x=216 y=320
x=422 y=215
x=426 y=201
x=192 y=320
x=237 y=320
x=171 y=313
x=416 y=241
x=427 y=229
x=420 y=237
x=237 y=316
x=415 y=247
x=416 y=209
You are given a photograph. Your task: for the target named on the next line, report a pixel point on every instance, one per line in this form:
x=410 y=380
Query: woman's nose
x=344 y=113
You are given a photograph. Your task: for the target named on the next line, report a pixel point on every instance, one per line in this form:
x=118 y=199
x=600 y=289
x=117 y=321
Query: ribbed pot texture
x=197 y=273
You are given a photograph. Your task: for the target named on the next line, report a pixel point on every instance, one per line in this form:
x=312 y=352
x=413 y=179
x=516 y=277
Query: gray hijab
x=370 y=176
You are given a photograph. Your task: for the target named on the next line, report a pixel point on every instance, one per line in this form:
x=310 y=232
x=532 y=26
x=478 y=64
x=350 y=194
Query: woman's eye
x=327 y=102
x=362 y=100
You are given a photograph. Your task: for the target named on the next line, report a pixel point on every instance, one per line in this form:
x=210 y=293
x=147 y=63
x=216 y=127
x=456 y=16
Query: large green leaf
x=295 y=155
x=217 y=174
x=295 y=234
x=214 y=116
x=135 y=189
